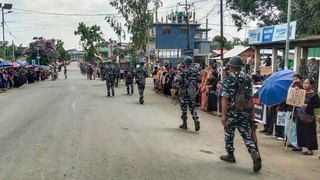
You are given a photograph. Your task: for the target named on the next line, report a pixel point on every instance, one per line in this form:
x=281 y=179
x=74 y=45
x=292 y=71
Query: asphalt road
x=69 y=129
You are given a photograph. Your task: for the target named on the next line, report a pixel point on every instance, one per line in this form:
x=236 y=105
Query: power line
x=63 y=14
x=7 y=29
x=229 y=25
x=29 y=28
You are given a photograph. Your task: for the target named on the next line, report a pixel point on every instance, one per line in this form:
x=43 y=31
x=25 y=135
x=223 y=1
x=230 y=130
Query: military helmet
x=109 y=62
x=187 y=60
x=236 y=61
x=141 y=62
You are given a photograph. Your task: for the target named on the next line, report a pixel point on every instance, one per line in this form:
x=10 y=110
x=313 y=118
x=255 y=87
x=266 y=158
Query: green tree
x=138 y=20
x=216 y=43
x=10 y=48
x=271 y=12
x=61 y=53
x=89 y=36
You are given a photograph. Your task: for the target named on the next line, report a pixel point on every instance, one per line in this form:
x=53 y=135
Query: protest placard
x=260 y=112
x=282 y=117
x=296 y=97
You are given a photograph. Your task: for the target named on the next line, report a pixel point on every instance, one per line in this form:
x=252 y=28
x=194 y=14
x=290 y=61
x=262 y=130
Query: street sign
x=272 y=33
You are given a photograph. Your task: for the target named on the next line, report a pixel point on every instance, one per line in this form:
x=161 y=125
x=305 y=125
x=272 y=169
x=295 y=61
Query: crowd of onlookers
x=15 y=77
x=209 y=98
x=209 y=87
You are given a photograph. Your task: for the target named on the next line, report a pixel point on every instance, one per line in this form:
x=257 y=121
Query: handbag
x=307 y=118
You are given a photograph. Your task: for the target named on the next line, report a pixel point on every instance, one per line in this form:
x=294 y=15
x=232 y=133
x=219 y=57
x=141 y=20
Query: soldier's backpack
x=129 y=74
x=243 y=99
x=192 y=89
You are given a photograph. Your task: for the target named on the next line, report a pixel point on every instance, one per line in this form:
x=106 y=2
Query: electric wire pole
x=286 y=59
x=188 y=51
x=221 y=30
x=222 y=38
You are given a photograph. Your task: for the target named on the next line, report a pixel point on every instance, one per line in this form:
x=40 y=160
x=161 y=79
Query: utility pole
x=3 y=38
x=222 y=39
x=4 y=6
x=188 y=28
x=187 y=51
x=286 y=60
x=13 y=57
x=207 y=26
x=156 y=15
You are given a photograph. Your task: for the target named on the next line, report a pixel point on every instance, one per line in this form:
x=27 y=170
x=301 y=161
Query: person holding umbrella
x=238 y=113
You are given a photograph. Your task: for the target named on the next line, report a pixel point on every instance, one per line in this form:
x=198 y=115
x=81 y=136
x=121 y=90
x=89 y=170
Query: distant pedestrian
x=65 y=72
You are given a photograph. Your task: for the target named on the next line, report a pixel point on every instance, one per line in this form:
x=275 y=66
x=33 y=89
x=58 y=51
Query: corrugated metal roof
x=237 y=50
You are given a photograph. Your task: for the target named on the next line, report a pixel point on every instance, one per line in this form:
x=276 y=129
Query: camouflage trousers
x=185 y=102
x=110 y=86
x=141 y=87
x=241 y=121
x=117 y=81
x=130 y=88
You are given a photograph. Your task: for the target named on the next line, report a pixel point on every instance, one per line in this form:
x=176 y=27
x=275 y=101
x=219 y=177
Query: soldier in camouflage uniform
x=117 y=73
x=110 y=77
x=233 y=118
x=140 y=76
x=187 y=84
x=102 y=67
x=129 y=77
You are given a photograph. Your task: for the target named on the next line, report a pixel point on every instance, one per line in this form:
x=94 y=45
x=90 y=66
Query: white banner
x=282 y=117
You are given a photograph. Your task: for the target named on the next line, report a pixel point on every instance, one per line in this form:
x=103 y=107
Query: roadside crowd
x=300 y=136
x=15 y=77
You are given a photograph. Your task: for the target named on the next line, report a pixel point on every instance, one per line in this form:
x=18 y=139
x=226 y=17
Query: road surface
x=69 y=129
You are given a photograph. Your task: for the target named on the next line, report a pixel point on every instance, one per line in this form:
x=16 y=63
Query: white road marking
x=74 y=107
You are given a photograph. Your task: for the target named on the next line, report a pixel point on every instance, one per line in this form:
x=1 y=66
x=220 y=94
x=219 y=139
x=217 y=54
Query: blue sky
x=30 y=18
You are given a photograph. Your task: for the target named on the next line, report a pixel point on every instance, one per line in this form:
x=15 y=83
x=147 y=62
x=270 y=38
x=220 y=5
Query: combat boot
x=197 y=125
x=228 y=158
x=112 y=93
x=108 y=94
x=256 y=161
x=184 y=125
x=141 y=100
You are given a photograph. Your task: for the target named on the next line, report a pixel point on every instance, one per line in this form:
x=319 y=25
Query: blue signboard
x=255 y=36
x=272 y=33
x=267 y=34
